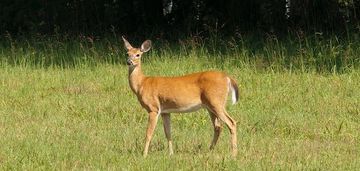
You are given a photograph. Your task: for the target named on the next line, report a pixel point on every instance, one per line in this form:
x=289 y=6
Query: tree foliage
x=181 y=16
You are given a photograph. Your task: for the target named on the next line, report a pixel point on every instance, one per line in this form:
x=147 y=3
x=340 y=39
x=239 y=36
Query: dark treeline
x=182 y=17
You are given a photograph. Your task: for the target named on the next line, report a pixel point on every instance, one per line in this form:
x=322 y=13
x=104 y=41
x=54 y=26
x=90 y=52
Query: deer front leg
x=153 y=117
x=167 y=130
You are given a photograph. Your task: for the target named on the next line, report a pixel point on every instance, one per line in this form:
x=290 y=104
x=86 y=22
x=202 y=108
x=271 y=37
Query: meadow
x=66 y=105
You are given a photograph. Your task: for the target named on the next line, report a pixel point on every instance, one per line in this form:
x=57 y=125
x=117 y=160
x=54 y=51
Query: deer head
x=134 y=54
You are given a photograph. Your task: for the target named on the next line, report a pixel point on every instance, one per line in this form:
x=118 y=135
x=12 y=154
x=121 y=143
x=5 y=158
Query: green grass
x=87 y=118
x=66 y=104
x=297 y=51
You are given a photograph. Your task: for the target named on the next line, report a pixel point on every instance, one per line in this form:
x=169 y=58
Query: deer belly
x=182 y=109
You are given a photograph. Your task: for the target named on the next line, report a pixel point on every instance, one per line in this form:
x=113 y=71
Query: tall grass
x=297 y=51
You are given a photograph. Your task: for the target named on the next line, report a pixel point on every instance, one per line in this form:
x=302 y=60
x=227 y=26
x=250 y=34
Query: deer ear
x=145 y=46
x=126 y=43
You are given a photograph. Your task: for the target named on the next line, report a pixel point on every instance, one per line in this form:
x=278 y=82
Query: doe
x=165 y=95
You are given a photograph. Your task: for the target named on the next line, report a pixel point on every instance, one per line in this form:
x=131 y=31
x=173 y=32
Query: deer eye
x=137 y=55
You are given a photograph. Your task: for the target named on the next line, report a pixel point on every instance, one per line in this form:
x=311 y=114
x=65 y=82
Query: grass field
x=85 y=117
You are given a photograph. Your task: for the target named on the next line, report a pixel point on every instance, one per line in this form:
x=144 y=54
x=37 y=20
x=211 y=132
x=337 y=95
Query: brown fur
x=186 y=93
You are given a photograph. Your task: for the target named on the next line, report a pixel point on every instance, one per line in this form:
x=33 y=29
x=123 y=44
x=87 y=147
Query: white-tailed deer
x=165 y=95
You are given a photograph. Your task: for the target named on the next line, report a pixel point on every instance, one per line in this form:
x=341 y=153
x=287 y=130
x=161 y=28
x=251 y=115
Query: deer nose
x=129 y=62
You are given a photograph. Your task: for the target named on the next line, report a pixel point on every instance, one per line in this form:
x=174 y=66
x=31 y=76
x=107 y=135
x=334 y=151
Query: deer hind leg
x=221 y=113
x=167 y=130
x=231 y=124
x=153 y=117
x=215 y=102
x=217 y=129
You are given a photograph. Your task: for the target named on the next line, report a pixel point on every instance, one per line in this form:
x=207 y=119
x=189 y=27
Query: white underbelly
x=184 y=109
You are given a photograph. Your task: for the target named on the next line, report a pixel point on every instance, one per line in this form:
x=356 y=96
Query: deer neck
x=136 y=78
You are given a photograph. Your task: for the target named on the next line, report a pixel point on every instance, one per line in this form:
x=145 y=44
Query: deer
x=181 y=94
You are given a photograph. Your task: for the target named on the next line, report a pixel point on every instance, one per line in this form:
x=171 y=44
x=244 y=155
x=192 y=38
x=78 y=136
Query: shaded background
x=174 y=18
